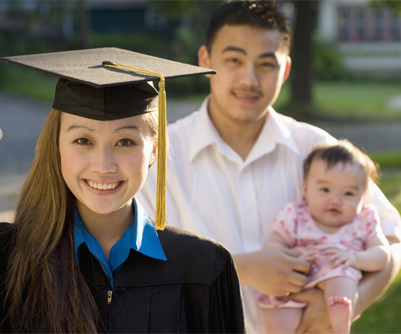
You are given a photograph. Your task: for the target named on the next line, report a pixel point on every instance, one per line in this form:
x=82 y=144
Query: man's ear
x=203 y=58
x=287 y=68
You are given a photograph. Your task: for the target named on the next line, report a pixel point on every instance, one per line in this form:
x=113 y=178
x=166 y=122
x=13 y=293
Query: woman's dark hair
x=342 y=153
x=258 y=14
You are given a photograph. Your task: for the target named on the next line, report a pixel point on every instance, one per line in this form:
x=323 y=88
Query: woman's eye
x=83 y=141
x=125 y=142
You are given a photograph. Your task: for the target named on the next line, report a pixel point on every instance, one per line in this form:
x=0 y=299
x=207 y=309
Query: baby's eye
x=267 y=65
x=349 y=193
x=83 y=141
x=325 y=190
x=125 y=142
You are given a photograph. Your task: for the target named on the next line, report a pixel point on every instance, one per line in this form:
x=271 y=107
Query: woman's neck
x=107 y=228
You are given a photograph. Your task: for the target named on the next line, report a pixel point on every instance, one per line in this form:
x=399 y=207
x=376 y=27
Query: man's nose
x=249 y=76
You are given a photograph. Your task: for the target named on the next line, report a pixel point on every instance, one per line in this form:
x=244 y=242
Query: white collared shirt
x=212 y=191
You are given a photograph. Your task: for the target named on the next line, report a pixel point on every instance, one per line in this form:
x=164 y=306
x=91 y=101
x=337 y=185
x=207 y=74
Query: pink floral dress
x=295 y=224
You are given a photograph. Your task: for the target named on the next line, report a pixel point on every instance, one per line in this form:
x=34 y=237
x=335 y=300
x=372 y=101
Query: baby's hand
x=338 y=257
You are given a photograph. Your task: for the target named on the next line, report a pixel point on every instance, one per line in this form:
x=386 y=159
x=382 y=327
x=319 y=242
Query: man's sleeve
x=389 y=216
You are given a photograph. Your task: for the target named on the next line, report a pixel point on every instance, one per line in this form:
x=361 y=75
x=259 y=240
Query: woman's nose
x=103 y=161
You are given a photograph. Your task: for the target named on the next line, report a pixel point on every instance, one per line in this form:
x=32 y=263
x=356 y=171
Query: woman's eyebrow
x=130 y=127
x=72 y=127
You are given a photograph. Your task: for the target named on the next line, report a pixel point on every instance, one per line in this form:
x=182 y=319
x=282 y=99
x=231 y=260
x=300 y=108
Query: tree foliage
x=393 y=4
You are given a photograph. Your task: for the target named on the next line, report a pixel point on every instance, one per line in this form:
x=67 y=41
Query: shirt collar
x=274 y=131
x=140 y=235
x=204 y=132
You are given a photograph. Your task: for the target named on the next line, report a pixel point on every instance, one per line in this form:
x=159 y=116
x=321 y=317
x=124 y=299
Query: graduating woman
x=82 y=255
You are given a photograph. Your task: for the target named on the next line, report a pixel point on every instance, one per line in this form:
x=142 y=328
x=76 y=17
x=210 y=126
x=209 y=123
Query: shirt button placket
x=248 y=210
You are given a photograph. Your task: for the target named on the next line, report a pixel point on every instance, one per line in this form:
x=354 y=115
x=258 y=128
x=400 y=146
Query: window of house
x=363 y=23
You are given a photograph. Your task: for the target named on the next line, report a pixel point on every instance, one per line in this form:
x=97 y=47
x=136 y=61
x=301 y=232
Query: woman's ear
x=153 y=156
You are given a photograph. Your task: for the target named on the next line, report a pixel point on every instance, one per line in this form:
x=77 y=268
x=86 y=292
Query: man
x=236 y=162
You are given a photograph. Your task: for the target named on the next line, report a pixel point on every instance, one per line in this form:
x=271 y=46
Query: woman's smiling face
x=105 y=163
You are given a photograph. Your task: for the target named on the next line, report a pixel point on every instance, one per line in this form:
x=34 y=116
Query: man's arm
x=373 y=284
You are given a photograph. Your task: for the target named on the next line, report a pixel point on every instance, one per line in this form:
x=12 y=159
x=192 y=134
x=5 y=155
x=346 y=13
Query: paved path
x=22 y=119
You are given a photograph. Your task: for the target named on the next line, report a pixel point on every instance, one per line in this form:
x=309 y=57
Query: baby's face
x=334 y=196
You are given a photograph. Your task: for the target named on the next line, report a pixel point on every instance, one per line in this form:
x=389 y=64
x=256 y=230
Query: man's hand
x=274 y=271
x=315 y=318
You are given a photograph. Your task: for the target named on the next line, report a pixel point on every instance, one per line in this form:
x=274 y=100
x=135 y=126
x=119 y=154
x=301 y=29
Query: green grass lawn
x=383 y=316
x=358 y=100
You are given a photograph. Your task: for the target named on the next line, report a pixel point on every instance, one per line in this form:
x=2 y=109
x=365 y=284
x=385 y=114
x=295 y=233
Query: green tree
x=195 y=16
x=393 y=4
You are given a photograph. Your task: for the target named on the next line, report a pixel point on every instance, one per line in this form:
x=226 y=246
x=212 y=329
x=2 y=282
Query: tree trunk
x=83 y=25
x=302 y=54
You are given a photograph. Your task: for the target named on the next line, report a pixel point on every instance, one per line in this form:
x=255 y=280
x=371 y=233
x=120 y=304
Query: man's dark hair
x=342 y=153
x=258 y=14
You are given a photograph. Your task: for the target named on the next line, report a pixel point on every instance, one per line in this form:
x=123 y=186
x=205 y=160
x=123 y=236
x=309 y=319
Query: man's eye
x=234 y=61
x=125 y=142
x=83 y=141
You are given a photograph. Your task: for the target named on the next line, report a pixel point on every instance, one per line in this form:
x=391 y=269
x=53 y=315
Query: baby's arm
x=275 y=240
x=375 y=257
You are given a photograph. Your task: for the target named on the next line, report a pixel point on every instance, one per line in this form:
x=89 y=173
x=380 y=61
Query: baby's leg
x=282 y=320
x=340 y=297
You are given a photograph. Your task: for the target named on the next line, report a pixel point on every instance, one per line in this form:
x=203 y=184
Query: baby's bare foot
x=339 y=314
x=338 y=300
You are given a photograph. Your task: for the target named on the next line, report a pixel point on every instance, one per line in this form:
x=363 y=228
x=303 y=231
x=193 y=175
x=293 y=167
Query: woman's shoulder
x=205 y=258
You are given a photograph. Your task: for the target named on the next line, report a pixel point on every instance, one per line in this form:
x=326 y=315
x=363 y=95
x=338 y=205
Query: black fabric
x=106 y=103
x=195 y=291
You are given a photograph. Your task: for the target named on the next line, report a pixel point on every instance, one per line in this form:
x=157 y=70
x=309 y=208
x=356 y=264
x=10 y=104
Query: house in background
x=368 y=38
x=122 y=16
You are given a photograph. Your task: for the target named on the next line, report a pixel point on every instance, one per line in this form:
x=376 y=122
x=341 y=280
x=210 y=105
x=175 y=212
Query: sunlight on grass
x=383 y=316
x=26 y=82
x=343 y=99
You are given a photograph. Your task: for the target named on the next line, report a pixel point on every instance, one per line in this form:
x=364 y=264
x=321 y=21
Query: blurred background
x=346 y=78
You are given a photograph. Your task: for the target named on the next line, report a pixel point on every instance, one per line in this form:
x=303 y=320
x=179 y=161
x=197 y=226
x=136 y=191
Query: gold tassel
x=160 y=215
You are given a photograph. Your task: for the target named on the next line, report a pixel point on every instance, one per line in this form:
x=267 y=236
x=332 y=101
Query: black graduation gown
x=195 y=291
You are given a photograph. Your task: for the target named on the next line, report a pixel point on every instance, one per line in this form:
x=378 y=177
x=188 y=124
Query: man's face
x=251 y=67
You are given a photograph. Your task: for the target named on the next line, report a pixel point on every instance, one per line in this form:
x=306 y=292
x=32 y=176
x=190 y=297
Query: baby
x=335 y=232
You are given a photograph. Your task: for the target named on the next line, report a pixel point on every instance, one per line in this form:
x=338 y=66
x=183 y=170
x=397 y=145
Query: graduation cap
x=111 y=83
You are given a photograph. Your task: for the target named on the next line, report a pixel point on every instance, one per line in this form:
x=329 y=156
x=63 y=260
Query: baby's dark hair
x=257 y=13
x=342 y=153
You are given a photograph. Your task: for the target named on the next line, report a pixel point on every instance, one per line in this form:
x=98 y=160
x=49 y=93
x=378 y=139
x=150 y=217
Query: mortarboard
x=111 y=83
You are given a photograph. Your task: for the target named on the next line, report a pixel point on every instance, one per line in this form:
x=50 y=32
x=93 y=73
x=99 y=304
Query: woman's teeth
x=103 y=186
